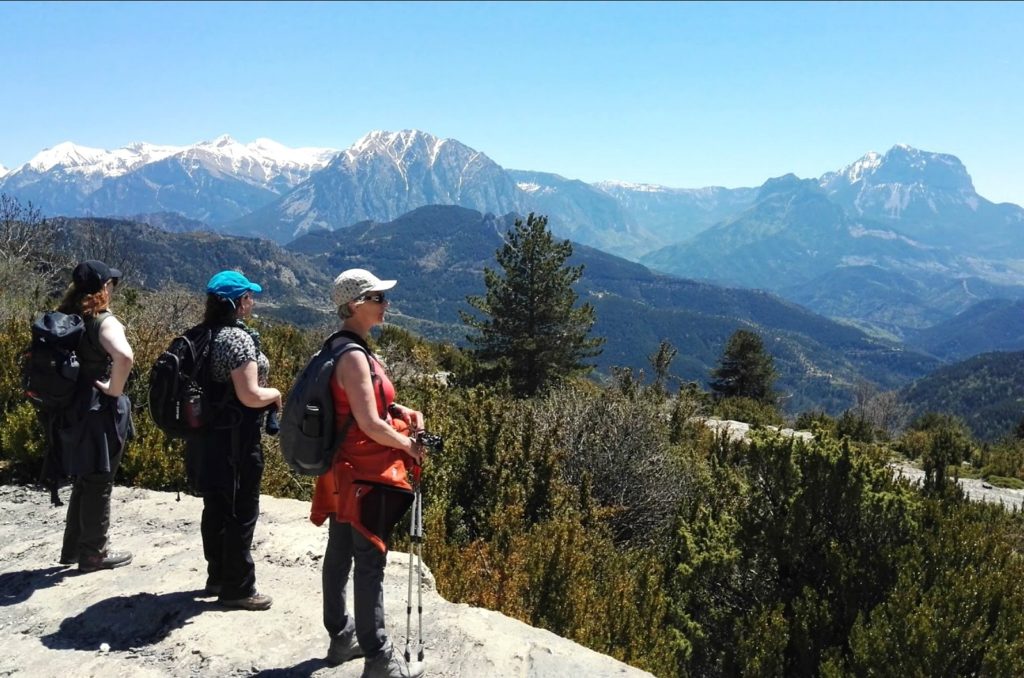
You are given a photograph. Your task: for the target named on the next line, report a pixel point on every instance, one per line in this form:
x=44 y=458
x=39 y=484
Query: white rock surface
x=975 y=488
x=157 y=621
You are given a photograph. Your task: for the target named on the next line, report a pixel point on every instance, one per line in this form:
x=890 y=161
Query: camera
x=432 y=441
x=273 y=424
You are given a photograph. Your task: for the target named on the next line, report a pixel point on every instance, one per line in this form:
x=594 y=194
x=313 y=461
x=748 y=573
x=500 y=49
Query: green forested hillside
x=986 y=391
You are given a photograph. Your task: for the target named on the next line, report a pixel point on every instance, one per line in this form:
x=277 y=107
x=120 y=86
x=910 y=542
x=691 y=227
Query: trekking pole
x=419 y=566
x=415 y=534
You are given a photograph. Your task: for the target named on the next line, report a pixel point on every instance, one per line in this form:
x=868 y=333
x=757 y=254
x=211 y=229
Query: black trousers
x=98 y=442
x=231 y=508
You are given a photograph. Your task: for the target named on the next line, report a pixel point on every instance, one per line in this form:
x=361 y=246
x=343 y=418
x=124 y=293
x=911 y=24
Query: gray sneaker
x=390 y=664
x=344 y=646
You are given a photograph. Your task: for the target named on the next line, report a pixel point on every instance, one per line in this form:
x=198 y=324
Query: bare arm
x=245 y=379
x=115 y=343
x=353 y=374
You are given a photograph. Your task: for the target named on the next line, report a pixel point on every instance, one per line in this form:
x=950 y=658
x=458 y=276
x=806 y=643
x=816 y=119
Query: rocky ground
x=152 y=618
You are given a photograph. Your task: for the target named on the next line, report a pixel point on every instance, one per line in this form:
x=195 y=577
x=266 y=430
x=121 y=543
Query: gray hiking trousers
x=345 y=545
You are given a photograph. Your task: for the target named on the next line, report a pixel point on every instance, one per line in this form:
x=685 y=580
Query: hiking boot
x=212 y=589
x=68 y=560
x=344 y=646
x=257 y=601
x=104 y=561
x=389 y=664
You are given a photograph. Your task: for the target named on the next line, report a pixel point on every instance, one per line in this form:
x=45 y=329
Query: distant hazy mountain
x=673 y=215
x=170 y=221
x=585 y=213
x=792 y=234
x=990 y=325
x=928 y=197
x=894 y=303
x=798 y=241
x=211 y=181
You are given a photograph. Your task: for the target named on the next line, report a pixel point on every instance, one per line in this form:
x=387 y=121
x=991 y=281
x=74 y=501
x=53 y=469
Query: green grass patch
x=1008 y=483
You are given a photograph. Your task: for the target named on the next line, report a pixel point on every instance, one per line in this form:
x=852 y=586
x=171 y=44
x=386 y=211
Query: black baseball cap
x=91 y=275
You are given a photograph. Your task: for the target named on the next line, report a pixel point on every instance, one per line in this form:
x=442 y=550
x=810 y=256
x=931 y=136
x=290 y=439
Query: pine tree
x=532 y=334
x=745 y=369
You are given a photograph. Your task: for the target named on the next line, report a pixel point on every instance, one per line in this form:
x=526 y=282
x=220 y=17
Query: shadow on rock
x=127 y=622
x=17 y=587
x=303 y=670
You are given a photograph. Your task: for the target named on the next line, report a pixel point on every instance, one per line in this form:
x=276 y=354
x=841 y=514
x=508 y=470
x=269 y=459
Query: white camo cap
x=355 y=282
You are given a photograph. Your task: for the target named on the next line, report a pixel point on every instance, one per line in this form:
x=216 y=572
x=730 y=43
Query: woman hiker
x=99 y=420
x=370 y=466
x=228 y=455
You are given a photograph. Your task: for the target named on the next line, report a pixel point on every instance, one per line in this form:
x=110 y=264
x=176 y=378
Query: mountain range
x=893 y=243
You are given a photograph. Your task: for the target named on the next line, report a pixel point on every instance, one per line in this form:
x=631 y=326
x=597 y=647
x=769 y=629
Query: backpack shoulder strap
x=351 y=345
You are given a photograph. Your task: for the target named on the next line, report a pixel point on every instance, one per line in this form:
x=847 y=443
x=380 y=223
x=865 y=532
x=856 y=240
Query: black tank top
x=94 y=361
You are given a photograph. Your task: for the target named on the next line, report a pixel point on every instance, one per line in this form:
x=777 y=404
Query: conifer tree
x=745 y=369
x=532 y=333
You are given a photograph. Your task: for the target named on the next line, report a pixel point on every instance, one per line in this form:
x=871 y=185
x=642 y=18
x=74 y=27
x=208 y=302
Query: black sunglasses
x=377 y=298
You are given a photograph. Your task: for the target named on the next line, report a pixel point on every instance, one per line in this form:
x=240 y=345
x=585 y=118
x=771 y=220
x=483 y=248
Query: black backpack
x=49 y=367
x=180 y=400
x=308 y=435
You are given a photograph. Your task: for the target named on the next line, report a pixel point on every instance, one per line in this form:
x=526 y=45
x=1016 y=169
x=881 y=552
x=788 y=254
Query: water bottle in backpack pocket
x=309 y=437
x=49 y=366
x=179 y=399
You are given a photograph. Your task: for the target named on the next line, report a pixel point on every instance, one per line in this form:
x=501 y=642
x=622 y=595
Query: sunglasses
x=377 y=298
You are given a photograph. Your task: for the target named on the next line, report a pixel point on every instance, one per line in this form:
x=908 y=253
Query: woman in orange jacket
x=367 y=481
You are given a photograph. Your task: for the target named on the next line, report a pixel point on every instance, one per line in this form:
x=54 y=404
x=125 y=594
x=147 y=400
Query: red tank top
x=359 y=459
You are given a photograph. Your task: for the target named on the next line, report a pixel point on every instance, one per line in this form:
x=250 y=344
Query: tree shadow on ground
x=17 y=587
x=126 y=622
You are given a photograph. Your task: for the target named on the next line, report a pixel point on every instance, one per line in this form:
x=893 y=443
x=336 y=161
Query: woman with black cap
x=229 y=454
x=100 y=420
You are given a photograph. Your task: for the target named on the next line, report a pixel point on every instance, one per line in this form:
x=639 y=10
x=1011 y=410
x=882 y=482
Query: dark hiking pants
x=88 y=519
x=345 y=545
x=228 y=525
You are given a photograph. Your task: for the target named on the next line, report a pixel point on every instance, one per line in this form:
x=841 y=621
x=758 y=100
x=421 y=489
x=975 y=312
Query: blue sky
x=680 y=94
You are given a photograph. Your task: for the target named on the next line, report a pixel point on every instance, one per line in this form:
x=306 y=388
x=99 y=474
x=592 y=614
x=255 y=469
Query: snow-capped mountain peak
x=3 y=171
x=396 y=145
x=865 y=165
x=632 y=186
x=66 y=154
x=72 y=157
